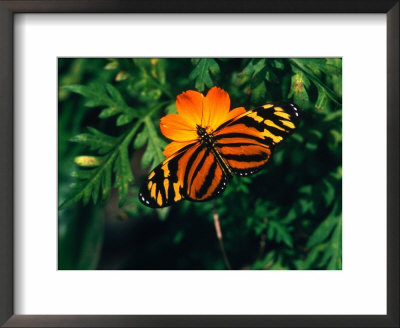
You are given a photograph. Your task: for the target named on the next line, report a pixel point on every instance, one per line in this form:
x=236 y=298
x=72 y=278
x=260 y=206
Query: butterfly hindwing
x=246 y=142
x=164 y=185
x=161 y=187
x=204 y=178
x=193 y=173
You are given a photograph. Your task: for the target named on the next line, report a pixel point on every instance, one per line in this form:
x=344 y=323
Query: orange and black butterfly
x=211 y=144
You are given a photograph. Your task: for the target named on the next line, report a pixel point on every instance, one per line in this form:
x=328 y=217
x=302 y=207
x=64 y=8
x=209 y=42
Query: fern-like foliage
x=112 y=163
x=108 y=96
x=311 y=71
x=152 y=156
x=204 y=67
x=96 y=175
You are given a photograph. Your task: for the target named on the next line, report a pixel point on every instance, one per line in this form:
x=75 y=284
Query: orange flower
x=195 y=110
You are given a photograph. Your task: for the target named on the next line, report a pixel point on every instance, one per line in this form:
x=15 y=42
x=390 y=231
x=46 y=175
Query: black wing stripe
x=238 y=144
x=189 y=165
x=246 y=158
x=173 y=168
x=251 y=123
x=207 y=181
x=199 y=166
x=267 y=141
x=239 y=135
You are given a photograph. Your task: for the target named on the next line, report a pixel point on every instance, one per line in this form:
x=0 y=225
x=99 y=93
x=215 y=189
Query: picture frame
x=7 y=10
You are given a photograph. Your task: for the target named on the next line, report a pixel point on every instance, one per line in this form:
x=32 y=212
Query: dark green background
x=288 y=216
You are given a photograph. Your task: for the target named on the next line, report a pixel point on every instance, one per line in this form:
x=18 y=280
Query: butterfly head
x=202 y=132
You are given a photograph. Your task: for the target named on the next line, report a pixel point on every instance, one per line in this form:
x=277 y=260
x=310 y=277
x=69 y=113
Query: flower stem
x=219 y=236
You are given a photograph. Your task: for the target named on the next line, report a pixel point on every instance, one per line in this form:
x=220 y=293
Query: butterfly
x=212 y=144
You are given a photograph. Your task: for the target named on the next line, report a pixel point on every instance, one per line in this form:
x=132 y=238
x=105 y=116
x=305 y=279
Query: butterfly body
x=207 y=140
x=240 y=146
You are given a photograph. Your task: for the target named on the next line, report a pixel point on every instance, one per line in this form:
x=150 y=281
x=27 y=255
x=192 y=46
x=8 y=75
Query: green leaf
x=123 y=174
x=140 y=139
x=106 y=182
x=88 y=161
x=81 y=174
x=278 y=64
x=254 y=67
x=115 y=95
x=95 y=94
x=266 y=262
x=298 y=90
x=201 y=73
x=147 y=157
x=109 y=96
x=162 y=213
x=335 y=249
x=109 y=111
x=324 y=230
x=311 y=258
x=95 y=140
x=270 y=76
x=322 y=100
x=258 y=67
x=155 y=145
x=125 y=119
x=300 y=64
x=258 y=93
x=112 y=65
x=329 y=191
x=327 y=254
x=279 y=233
x=122 y=76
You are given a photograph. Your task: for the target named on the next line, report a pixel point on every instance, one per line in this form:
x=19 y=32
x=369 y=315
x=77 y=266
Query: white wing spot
x=142 y=198
x=147 y=202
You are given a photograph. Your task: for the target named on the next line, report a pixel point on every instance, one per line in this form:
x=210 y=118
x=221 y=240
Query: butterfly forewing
x=246 y=142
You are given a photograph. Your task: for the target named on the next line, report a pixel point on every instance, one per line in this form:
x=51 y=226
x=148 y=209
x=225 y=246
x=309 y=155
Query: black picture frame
x=11 y=7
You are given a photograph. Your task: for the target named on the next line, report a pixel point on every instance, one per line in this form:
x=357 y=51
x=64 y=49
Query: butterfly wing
x=192 y=173
x=204 y=177
x=164 y=185
x=246 y=142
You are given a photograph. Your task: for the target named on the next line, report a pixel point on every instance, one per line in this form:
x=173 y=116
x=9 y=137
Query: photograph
x=199 y=163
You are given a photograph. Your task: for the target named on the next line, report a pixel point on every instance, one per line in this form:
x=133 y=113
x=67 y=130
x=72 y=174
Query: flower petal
x=174 y=147
x=174 y=127
x=190 y=105
x=216 y=108
x=235 y=112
